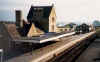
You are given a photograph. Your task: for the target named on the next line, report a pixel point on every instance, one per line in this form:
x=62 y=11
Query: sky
x=79 y=11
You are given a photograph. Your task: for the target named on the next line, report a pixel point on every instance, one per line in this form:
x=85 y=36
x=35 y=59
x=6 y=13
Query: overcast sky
x=67 y=10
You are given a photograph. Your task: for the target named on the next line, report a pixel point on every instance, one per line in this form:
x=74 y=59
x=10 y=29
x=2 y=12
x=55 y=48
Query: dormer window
x=38 y=12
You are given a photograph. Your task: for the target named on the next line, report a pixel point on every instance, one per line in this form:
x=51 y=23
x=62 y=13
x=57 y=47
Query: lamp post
x=1 y=51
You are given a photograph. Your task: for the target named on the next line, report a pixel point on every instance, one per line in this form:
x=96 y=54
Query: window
x=53 y=19
x=53 y=28
x=38 y=12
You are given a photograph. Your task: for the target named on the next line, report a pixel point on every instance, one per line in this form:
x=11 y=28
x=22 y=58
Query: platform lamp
x=1 y=51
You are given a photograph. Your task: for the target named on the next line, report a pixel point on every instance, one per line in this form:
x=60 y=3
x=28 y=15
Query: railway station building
x=43 y=17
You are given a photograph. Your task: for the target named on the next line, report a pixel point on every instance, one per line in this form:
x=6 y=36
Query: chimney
x=52 y=4
x=18 y=18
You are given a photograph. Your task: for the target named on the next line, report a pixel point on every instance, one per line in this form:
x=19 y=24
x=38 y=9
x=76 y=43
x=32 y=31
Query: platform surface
x=43 y=38
x=45 y=53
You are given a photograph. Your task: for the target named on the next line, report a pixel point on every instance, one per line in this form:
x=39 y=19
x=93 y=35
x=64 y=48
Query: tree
x=67 y=26
x=96 y=23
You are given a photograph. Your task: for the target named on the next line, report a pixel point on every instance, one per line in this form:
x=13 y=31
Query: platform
x=44 y=38
x=48 y=52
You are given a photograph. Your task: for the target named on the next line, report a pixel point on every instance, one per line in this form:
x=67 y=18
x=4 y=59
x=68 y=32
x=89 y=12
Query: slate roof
x=46 y=11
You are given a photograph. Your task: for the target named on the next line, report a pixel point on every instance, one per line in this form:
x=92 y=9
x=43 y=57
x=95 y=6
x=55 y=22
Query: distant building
x=96 y=24
x=66 y=27
x=62 y=29
x=43 y=17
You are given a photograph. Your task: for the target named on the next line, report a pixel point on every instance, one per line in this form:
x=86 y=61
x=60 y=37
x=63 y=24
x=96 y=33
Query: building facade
x=43 y=17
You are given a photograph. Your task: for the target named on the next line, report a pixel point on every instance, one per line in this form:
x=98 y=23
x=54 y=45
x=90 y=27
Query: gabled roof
x=24 y=31
x=30 y=30
x=46 y=11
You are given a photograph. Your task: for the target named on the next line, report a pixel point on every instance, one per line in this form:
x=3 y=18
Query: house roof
x=11 y=28
x=46 y=11
x=24 y=31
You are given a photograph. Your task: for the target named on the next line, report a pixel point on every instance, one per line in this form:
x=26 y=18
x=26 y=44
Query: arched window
x=53 y=19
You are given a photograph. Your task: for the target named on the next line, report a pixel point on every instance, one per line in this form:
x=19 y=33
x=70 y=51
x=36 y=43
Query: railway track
x=73 y=53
